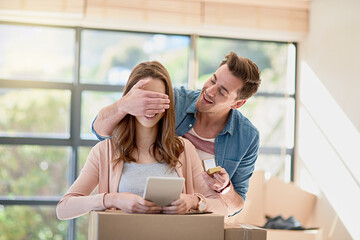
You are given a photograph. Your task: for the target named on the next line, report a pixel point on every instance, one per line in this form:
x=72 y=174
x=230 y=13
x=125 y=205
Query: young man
x=209 y=119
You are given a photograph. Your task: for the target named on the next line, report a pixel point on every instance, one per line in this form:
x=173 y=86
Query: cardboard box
x=275 y=197
x=116 y=224
x=293 y=234
x=240 y=231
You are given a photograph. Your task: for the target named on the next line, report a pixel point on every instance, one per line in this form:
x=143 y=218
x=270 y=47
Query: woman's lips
x=150 y=116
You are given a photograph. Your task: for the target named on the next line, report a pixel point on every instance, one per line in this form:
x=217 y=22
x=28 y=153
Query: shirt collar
x=192 y=108
x=229 y=127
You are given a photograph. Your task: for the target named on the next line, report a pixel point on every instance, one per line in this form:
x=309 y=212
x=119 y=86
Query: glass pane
x=83 y=154
x=271 y=58
x=107 y=57
x=274 y=118
x=35 y=222
x=29 y=170
x=82 y=226
x=37 y=53
x=91 y=103
x=274 y=165
x=35 y=113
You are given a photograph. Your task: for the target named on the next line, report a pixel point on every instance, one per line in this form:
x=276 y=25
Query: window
x=272 y=109
x=54 y=80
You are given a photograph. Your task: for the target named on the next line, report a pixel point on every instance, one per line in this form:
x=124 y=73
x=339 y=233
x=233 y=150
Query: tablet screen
x=163 y=190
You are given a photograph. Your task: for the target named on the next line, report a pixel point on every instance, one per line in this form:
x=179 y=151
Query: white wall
x=332 y=48
x=328 y=115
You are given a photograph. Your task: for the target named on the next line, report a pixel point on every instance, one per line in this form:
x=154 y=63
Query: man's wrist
x=225 y=189
x=120 y=104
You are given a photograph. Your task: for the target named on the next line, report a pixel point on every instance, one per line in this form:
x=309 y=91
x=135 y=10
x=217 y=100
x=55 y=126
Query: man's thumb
x=140 y=84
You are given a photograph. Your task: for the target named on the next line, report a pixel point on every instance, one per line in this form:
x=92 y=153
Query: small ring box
x=210 y=166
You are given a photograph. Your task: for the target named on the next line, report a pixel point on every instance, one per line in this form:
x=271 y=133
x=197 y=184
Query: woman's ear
x=238 y=104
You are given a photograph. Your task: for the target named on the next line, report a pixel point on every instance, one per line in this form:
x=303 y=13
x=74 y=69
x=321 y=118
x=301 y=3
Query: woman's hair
x=167 y=146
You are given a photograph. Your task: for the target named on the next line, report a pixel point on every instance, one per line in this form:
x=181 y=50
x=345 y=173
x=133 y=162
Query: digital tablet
x=163 y=190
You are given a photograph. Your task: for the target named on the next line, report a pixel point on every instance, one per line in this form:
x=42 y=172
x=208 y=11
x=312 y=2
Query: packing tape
x=240 y=231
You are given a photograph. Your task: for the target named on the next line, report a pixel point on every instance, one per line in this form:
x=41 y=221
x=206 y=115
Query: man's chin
x=201 y=107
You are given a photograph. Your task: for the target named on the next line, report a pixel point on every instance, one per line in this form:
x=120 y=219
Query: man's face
x=219 y=93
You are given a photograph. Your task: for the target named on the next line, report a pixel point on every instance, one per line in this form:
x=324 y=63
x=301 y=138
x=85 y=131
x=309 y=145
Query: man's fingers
x=208 y=179
x=162 y=96
x=140 y=84
x=156 y=106
x=211 y=182
x=221 y=179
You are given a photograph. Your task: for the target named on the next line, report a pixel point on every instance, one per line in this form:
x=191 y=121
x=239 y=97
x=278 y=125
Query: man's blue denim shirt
x=236 y=146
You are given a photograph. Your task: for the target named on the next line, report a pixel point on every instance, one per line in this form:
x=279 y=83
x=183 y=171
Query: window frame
x=76 y=88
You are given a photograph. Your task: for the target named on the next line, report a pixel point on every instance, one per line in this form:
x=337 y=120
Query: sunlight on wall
x=339 y=130
x=329 y=147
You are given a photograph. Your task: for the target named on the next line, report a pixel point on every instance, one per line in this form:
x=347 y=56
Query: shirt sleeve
x=101 y=138
x=77 y=201
x=243 y=173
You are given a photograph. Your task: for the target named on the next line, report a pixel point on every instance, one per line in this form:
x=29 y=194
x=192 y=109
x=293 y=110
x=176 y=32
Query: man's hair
x=167 y=146
x=246 y=70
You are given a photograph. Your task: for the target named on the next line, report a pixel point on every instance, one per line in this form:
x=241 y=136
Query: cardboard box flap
x=253 y=211
x=287 y=200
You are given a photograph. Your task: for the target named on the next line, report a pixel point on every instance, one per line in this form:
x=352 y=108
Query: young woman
x=141 y=146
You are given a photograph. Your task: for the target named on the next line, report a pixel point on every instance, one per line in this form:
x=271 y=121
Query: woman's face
x=155 y=85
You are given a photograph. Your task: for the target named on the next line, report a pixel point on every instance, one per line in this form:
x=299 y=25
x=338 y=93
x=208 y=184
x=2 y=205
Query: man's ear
x=238 y=104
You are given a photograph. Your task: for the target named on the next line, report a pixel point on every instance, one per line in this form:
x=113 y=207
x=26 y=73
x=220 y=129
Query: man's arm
x=137 y=102
x=240 y=179
x=222 y=184
x=234 y=191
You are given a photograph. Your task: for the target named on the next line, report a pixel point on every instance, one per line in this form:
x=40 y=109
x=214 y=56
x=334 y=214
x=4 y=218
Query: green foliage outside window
x=106 y=58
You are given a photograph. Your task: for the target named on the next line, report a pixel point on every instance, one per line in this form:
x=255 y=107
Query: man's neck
x=209 y=125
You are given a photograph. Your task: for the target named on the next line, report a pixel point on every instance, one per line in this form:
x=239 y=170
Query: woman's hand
x=182 y=205
x=130 y=203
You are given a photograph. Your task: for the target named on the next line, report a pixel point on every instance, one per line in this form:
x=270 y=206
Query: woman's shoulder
x=103 y=145
x=102 y=150
x=185 y=141
x=188 y=146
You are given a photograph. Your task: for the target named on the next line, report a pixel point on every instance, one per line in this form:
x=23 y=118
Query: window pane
x=274 y=165
x=91 y=103
x=82 y=226
x=37 y=53
x=271 y=58
x=35 y=222
x=274 y=118
x=107 y=57
x=83 y=154
x=29 y=170
x=35 y=113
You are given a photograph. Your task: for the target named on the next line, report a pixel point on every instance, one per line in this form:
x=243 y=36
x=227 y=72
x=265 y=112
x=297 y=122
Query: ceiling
x=192 y=16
